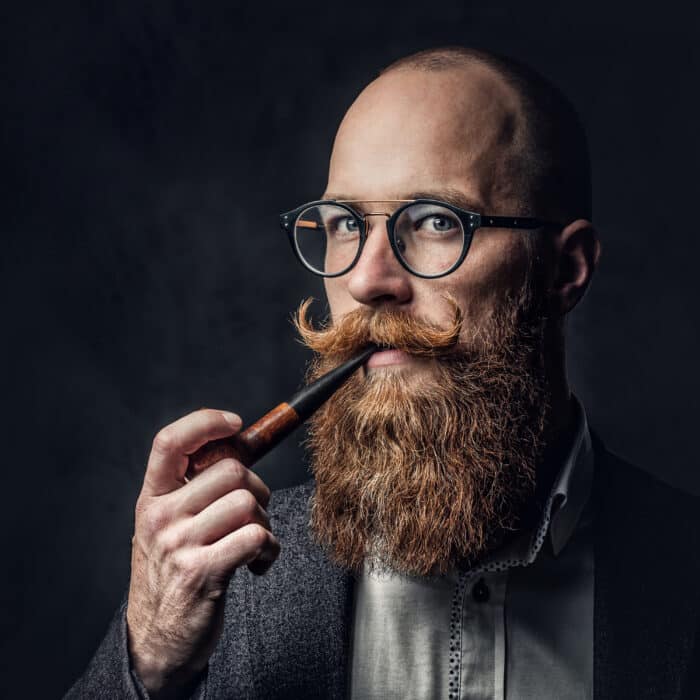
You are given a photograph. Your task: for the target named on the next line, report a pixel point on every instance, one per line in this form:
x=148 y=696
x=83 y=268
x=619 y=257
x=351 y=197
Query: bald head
x=408 y=132
x=553 y=166
x=502 y=128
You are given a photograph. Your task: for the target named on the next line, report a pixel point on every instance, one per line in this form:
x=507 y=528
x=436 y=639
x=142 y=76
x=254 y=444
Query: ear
x=577 y=250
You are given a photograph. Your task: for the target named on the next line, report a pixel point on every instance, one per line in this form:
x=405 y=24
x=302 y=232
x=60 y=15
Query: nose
x=378 y=277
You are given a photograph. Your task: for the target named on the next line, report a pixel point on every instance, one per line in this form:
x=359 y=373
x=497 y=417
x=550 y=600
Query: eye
x=441 y=223
x=349 y=224
x=344 y=226
x=436 y=224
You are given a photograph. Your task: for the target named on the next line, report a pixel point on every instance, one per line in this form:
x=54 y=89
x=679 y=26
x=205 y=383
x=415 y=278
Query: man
x=465 y=535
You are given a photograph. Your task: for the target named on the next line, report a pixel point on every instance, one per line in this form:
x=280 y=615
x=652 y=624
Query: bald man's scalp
x=550 y=167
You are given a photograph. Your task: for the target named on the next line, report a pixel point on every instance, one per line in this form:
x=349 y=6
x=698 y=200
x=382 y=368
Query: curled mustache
x=396 y=329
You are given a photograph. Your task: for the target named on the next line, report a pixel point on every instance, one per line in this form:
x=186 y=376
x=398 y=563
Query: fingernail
x=232 y=419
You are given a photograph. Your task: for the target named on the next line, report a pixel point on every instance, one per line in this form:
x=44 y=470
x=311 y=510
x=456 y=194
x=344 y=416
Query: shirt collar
x=563 y=509
x=562 y=512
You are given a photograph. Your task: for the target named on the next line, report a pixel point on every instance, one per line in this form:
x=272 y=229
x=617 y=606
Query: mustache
x=384 y=327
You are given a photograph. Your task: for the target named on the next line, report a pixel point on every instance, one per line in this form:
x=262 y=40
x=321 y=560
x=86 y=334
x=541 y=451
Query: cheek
x=339 y=299
x=496 y=266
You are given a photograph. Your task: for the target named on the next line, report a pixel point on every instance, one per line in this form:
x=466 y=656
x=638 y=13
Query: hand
x=190 y=537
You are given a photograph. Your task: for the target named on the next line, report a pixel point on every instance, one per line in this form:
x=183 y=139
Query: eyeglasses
x=430 y=238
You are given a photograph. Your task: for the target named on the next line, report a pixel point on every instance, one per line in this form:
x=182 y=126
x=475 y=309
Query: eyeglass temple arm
x=301 y=223
x=486 y=221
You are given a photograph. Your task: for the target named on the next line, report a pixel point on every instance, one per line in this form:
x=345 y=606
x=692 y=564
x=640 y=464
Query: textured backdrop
x=148 y=149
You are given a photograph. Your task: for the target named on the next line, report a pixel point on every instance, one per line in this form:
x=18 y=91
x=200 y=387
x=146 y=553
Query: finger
x=243 y=546
x=262 y=564
x=168 y=460
x=216 y=481
x=231 y=512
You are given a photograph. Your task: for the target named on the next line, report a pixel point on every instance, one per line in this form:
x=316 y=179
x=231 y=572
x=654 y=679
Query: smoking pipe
x=258 y=439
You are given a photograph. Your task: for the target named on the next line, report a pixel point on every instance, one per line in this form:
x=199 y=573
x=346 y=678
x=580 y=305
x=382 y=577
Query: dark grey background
x=148 y=147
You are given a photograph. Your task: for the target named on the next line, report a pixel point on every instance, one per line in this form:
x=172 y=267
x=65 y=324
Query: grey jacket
x=286 y=634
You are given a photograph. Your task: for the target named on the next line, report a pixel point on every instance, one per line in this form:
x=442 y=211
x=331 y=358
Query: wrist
x=158 y=674
x=166 y=684
x=151 y=672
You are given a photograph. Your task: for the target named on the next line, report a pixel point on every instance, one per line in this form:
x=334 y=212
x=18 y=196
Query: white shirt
x=518 y=627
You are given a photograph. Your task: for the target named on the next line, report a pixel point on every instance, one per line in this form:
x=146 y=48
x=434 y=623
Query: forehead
x=412 y=130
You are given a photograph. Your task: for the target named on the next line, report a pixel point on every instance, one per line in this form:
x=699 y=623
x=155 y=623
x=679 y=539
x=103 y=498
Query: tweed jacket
x=287 y=633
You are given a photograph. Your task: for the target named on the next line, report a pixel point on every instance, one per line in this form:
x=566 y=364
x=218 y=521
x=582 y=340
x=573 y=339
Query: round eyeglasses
x=430 y=238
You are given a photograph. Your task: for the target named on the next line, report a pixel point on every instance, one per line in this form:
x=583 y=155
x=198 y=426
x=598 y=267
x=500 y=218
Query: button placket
x=473 y=581
x=456 y=635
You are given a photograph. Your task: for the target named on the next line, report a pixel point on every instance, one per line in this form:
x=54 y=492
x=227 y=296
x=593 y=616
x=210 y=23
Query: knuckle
x=245 y=501
x=233 y=469
x=256 y=536
x=149 y=520
x=187 y=565
x=170 y=541
x=152 y=519
x=210 y=415
x=165 y=441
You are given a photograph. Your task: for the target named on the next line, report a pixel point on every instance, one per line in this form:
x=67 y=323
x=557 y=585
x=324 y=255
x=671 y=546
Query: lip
x=390 y=356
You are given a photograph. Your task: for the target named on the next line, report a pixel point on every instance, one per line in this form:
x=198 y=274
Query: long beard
x=419 y=474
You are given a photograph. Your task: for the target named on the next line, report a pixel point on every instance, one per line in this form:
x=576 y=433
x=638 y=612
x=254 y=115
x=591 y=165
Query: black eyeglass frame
x=471 y=221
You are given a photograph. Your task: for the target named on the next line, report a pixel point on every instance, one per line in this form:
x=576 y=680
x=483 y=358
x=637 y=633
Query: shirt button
x=481 y=592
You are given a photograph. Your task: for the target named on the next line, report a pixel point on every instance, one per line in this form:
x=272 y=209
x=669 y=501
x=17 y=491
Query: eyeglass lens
x=428 y=238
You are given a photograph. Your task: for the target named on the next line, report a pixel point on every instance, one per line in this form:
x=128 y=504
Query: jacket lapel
x=299 y=617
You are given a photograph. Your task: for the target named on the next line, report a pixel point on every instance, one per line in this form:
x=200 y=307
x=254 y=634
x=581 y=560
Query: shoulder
x=622 y=480
x=647 y=564
x=643 y=509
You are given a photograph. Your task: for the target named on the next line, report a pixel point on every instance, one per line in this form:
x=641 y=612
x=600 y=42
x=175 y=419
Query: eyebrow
x=450 y=195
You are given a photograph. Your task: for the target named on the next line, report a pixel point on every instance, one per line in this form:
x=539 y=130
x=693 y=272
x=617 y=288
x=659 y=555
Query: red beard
x=426 y=472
